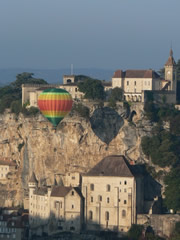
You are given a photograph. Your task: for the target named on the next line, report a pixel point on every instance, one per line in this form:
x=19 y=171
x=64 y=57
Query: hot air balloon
x=55 y=104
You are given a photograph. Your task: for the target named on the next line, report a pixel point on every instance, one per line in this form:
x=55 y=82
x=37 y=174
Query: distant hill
x=53 y=75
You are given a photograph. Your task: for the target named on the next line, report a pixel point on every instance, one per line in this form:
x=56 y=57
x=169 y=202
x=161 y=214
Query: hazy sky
x=108 y=34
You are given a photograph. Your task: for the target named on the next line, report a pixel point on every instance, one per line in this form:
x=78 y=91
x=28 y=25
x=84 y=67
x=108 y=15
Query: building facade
x=133 y=82
x=13 y=225
x=6 y=166
x=110 y=190
x=54 y=209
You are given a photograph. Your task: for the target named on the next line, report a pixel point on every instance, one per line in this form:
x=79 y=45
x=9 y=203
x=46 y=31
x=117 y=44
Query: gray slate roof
x=113 y=165
x=33 y=178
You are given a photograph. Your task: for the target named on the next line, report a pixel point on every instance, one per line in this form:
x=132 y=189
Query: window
x=91 y=199
x=100 y=198
x=72 y=206
x=135 y=83
x=76 y=89
x=125 y=190
x=72 y=193
x=92 y=187
x=72 y=228
x=123 y=213
x=125 y=182
x=127 y=83
x=125 y=201
x=120 y=183
x=107 y=216
x=108 y=200
x=108 y=188
x=90 y=215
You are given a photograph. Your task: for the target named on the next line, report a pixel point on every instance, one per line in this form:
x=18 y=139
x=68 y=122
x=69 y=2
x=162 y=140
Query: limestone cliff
x=77 y=145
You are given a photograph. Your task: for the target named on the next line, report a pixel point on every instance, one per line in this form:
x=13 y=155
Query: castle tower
x=170 y=71
x=33 y=183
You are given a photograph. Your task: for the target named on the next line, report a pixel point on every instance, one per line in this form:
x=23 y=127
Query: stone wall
x=163 y=225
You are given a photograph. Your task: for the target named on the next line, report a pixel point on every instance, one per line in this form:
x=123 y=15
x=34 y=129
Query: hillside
x=77 y=145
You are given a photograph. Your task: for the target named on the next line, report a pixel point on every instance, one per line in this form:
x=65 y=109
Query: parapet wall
x=162 y=224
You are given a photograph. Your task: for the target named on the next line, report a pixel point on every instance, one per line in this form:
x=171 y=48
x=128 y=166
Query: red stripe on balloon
x=55 y=105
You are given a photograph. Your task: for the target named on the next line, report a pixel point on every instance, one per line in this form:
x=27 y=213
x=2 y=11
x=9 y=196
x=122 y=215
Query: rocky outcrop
x=77 y=144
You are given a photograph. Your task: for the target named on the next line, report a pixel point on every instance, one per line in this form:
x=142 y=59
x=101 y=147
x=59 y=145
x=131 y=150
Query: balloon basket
x=54 y=129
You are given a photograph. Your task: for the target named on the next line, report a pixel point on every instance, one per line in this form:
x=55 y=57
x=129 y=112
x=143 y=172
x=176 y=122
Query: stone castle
x=134 y=83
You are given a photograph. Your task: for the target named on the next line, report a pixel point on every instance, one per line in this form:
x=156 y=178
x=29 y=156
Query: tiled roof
x=60 y=191
x=170 y=61
x=41 y=191
x=33 y=178
x=118 y=74
x=136 y=74
x=6 y=161
x=113 y=165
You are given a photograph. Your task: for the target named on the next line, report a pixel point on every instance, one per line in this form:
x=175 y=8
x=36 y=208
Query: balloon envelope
x=55 y=104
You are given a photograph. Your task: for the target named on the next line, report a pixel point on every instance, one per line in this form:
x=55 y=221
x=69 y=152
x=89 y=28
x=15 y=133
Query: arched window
x=125 y=182
x=90 y=215
x=123 y=213
x=92 y=187
x=107 y=216
x=100 y=198
x=108 y=188
x=107 y=199
x=125 y=202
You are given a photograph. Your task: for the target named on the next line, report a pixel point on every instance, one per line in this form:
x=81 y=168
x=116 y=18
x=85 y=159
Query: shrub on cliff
x=16 y=107
x=172 y=189
x=163 y=149
x=32 y=111
x=135 y=232
x=81 y=110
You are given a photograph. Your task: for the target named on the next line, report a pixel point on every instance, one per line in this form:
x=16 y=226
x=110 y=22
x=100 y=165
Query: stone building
x=13 y=224
x=53 y=209
x=6 y=166
x=113 y=195
x=135 y=82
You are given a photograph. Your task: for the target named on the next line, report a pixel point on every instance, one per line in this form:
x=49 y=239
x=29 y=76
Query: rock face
x=77 y=145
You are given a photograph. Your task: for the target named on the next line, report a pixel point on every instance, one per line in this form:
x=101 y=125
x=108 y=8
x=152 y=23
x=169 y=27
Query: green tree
x=26 y=78
x=163 y=149
x=135 y=232
x=92 y=89
x=172 y=189
x=174 y=125
x=16 y=107
x=82 y=110
x=176 y=232
x=13 y=92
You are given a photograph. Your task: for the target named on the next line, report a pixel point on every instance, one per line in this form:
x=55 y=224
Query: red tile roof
x=6 y=161
x=135 y=74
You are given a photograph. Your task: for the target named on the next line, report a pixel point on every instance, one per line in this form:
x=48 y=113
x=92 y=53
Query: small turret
x=33 y=182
